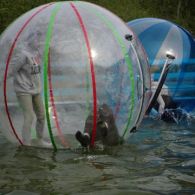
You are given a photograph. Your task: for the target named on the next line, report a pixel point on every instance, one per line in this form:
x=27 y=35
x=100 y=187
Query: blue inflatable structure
x=159 y=36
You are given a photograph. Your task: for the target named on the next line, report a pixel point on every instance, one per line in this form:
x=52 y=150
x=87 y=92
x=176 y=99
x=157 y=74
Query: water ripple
x=157 y=159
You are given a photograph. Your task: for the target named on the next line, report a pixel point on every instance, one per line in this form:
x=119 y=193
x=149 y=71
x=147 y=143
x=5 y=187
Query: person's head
x=106 y=131
x=33 y=40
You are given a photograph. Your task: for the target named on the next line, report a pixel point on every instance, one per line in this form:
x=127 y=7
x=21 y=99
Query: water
x=158 y=159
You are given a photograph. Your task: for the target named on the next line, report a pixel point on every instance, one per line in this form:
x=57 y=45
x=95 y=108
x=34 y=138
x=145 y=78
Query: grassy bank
x=180 y=11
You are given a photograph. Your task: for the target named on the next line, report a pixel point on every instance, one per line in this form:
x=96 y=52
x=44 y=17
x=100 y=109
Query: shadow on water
x=158 y=159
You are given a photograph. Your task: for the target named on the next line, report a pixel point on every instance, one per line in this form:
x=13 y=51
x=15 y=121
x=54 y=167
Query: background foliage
x=181 y=12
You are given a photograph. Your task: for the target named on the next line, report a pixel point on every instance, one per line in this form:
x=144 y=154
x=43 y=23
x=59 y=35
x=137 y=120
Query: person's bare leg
x=40 y=120
x=40 y=114
x=25 y=102
x=161 y=104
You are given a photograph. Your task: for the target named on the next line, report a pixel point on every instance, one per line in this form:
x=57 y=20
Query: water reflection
x=158 y=159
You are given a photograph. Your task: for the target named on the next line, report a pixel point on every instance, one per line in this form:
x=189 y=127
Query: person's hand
x=157 y=117
x=155 y=114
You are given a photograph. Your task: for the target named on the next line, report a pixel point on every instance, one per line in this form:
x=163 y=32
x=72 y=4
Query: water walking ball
x=87 y=57
x=159 y=36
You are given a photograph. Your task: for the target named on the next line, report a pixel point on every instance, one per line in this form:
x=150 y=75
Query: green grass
x=179 y=11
